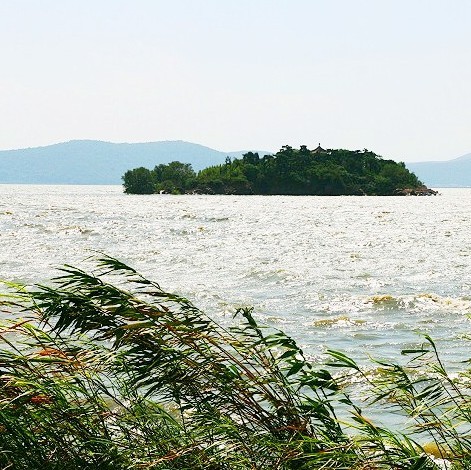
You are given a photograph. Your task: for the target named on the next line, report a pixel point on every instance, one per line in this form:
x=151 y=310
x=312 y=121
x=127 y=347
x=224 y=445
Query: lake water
x=365 y=275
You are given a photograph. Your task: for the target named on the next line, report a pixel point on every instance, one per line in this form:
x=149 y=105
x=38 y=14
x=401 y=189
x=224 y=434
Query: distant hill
x=444 y=174
x=97 y=162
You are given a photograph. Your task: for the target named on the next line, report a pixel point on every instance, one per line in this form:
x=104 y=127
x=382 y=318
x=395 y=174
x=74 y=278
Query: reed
x=108 y=371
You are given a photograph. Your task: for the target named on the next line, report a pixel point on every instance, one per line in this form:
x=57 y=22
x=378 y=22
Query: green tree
x=174 y=177
x=138 y=181
x=289 y=171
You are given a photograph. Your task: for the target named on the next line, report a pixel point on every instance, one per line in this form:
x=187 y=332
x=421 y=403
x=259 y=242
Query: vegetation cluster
x=103 y=374
x=290 y=171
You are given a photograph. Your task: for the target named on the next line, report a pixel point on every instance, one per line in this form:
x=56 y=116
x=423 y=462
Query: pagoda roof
x=319 y=149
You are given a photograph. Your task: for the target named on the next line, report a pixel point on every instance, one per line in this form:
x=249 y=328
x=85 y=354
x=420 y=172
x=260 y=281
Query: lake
x=366 y=275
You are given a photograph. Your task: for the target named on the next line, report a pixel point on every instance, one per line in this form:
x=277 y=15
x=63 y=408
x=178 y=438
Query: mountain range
x=444 y=174
x=97 y=162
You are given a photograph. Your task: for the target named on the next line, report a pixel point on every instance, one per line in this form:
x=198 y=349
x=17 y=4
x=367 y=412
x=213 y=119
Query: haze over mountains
x=97 y=162
x=447 y=174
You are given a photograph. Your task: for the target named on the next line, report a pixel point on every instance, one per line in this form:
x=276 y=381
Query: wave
x=420 y=302
x=342 y=320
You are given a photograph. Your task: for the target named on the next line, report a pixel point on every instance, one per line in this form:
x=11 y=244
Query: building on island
x=319 y=149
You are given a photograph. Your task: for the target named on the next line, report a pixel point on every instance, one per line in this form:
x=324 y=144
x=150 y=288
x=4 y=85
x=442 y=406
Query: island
x=290 y=171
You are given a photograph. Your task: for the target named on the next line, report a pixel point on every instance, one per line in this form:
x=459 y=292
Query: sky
x=392 y=76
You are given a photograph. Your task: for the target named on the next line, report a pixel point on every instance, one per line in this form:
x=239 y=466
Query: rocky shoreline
x=422 y=191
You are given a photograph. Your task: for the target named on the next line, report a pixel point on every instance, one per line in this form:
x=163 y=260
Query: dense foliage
x=173 y=178
x=289 y=171
x=98 y=376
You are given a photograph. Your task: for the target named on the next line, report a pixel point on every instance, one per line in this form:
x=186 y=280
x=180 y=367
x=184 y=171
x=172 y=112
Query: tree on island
x=176 y=177
x=138 y=181
x=288 y=172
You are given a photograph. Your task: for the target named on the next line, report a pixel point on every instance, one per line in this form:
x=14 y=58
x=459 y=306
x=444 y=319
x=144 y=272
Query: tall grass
x=108 y=371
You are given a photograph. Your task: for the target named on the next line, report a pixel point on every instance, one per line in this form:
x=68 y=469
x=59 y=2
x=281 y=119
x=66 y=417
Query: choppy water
x=360 y=274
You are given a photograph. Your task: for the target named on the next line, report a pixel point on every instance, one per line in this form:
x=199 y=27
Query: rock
x=421 y=191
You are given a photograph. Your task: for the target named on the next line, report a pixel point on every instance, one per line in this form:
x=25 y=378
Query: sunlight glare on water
x=359 y=274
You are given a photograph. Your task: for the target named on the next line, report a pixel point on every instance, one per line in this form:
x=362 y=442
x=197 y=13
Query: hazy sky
x=393 y=76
